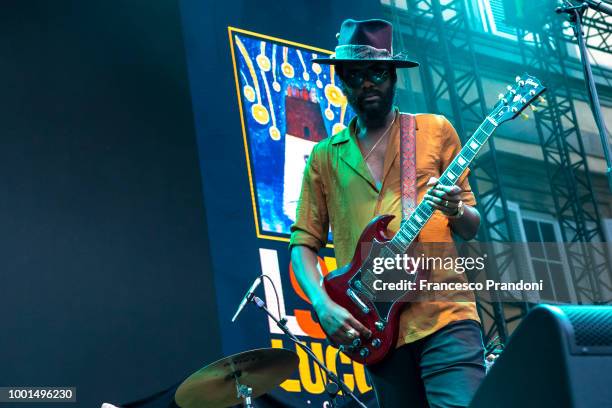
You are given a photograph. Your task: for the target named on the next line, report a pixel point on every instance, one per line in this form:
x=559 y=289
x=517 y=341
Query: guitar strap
x=408 y=164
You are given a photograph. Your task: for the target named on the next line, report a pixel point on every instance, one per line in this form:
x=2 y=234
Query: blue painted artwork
x=288 y=105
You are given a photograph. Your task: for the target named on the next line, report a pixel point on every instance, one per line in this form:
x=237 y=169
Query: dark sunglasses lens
x=374 y=75
x=379 y=75
x=354 y=79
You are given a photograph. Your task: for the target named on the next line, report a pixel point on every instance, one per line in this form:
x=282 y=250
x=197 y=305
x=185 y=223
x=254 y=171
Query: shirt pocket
x=422 y=177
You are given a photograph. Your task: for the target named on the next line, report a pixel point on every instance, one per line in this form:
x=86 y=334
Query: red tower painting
x=303 y=114
x=304 y=128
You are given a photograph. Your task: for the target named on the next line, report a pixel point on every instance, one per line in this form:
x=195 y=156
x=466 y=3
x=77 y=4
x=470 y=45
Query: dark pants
x=442 y=370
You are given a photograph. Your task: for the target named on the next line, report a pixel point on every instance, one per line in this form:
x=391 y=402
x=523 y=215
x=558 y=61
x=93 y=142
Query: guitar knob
x=364 y=352
x=380 y=326
x=356 y=343
x=376 y=343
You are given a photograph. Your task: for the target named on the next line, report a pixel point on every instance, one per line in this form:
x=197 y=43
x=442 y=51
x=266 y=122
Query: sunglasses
x=376 y=75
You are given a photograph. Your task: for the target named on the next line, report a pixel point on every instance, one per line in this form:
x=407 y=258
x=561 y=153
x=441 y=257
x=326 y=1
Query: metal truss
x=449 y=71
x=566 y=165
x=597 y=31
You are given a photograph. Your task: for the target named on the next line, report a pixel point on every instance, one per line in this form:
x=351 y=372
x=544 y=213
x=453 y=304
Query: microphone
x=247 y=297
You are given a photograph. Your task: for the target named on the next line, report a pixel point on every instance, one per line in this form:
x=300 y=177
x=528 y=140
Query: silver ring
x=446 y=203
x=351 y=333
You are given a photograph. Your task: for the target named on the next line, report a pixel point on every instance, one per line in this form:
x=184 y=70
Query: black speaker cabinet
x=558 y=357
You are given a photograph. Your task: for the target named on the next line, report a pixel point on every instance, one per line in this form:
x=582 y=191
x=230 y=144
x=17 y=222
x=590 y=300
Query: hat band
x=361 y=52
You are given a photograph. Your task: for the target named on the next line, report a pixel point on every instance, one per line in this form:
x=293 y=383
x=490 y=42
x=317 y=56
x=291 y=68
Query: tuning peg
x=524 y=116
x=532 y=92
x=518 y=78
x=514 y=109
x=533 y=108
x=543 y=101
x=500 y=96
x=511 y=89
x=521 y=83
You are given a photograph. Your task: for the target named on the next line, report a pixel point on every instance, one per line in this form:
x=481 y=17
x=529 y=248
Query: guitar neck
x=412 y=227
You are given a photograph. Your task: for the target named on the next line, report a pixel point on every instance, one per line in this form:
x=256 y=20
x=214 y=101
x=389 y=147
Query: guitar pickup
x=357 y=284
x=357 y=300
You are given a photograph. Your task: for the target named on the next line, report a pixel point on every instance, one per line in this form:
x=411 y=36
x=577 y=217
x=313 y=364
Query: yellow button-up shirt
x=338 y=191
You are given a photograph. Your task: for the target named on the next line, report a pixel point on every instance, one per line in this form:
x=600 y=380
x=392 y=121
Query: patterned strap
x=408 y=164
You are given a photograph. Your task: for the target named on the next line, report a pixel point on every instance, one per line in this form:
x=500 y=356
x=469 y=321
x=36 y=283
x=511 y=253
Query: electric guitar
x=353 y=285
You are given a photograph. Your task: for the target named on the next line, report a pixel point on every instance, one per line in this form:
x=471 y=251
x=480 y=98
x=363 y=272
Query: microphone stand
x=336 y=384
x=575 y=14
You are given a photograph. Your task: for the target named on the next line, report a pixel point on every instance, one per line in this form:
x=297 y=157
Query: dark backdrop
x=105 y=280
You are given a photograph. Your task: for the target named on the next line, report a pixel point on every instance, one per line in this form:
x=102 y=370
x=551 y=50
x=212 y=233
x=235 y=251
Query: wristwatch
x=460 y=211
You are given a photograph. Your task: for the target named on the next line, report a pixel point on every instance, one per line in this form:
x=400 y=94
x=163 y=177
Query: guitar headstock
x=525 y=90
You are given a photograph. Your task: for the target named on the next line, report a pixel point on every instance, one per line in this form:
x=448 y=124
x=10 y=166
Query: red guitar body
x=343 y=288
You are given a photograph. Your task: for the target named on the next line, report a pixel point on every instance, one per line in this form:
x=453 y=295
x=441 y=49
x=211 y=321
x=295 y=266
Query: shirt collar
x=346 y=133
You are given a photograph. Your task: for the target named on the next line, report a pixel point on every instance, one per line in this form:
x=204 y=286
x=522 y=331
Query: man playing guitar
x=353 y=176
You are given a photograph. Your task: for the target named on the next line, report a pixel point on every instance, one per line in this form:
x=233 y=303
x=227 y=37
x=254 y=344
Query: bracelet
x=460 y=211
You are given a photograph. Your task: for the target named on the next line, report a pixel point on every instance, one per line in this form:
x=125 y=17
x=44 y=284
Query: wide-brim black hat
x=367 y=40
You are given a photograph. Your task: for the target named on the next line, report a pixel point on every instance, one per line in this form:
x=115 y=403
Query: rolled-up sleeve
x=312 y=223
x=451 y=146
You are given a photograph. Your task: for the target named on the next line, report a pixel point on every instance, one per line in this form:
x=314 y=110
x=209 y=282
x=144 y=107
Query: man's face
x=369 y=88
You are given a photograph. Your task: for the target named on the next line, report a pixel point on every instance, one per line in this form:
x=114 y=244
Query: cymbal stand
x=245 y=392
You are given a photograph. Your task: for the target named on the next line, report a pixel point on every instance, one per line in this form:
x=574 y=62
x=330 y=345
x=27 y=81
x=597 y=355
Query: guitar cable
x=263 y=275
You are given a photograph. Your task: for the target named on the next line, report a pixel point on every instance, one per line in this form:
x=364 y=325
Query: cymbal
x=214 y=386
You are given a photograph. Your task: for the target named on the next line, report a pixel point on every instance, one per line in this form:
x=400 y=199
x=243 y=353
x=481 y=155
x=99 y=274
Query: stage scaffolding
x=566 y=163
x=597 y=31
x=450 y=73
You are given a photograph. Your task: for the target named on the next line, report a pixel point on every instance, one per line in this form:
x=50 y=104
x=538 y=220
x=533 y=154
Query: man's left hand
x=443 y=198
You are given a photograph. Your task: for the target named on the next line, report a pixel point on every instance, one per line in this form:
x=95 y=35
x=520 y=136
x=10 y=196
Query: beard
x=373 y=114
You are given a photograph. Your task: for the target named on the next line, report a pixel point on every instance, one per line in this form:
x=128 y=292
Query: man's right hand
x=338 y=323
